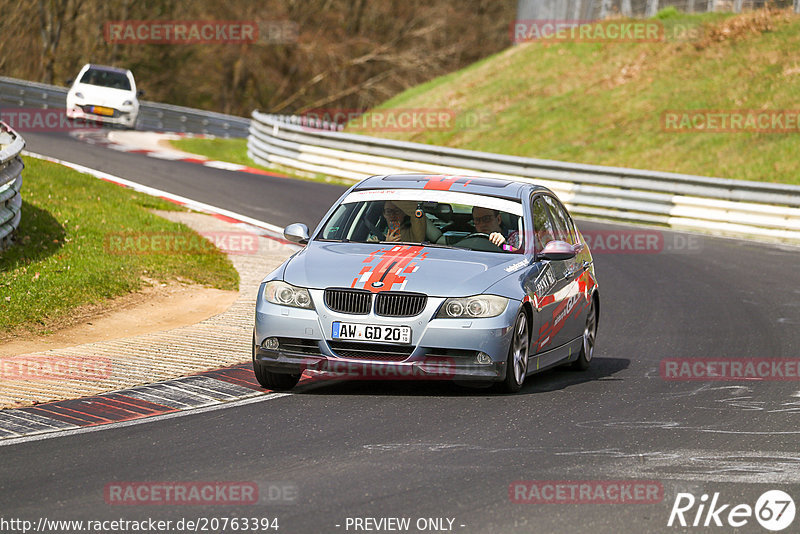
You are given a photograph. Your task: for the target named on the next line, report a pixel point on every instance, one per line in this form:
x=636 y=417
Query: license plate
x=369 y=332
x=100 y=110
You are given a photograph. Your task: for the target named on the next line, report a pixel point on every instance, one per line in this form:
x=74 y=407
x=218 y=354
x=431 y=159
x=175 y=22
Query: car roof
x=496 y=187
x=107 y=68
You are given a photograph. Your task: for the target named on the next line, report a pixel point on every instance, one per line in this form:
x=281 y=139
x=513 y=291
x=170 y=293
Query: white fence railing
x=11 y=145
x=723 y=206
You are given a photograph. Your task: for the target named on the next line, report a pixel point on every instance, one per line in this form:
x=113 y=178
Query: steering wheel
x=374 y=229
x=477 y=241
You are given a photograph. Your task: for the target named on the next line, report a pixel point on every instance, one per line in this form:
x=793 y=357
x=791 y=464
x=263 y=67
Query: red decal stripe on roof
x=440 y=183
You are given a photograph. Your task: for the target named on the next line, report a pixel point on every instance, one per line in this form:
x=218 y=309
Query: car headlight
x=79 y=95
x=472 y=307
x=127 y=103
x=283 y=294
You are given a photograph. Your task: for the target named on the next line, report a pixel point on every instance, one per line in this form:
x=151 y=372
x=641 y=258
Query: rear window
x=106 y=78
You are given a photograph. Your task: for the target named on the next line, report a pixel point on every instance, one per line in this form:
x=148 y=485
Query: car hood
x=103 y=96
x=375 y=267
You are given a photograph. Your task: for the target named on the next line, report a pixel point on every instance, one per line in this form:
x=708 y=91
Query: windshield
x=473 y=222
x=106 y=78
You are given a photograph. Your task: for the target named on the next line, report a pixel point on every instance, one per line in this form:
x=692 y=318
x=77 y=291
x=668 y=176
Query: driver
x=487 y=221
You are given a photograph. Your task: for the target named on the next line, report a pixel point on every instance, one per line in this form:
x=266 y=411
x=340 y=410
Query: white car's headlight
x=283 y=294
x=79 y=95
x=127 y=103
x=472 y=307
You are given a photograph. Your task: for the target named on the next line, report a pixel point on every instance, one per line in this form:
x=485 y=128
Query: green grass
x=602 y=103
x=234 y=150
x=64 y=256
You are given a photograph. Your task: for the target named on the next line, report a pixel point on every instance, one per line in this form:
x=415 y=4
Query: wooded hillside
x=346 y=53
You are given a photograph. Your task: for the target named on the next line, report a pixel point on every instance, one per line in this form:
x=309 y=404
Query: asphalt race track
x=329 y=452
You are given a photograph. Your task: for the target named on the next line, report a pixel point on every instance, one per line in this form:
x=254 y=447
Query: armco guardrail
x=11 y=145
x=723 y=206
x=152 y=116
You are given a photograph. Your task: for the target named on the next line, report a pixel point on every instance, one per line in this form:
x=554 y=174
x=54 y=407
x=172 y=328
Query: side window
x=339 y=222
x=560 y=220
x=571 y=228
x=542 y=226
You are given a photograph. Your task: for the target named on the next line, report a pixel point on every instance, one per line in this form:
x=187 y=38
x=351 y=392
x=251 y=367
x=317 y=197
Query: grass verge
x=64 y=257
x=604 y=103
x=234 y=150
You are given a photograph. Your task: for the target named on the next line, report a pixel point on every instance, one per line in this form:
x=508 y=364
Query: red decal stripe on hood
x=392 y=263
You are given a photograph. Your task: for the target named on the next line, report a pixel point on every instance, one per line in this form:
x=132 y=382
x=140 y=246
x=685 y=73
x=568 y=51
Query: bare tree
x=346 y=53
x=53 y=15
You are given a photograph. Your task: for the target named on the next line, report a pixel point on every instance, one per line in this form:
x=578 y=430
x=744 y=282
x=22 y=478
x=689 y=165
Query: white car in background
x=104 y=94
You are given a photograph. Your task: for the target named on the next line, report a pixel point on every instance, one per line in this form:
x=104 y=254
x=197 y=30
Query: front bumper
x=442 y=349
x=423 y=369
x=120 y=117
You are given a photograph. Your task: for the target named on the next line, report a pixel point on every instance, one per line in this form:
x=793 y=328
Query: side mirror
x=69 y=82
x=296 y=233
x=140 y=93
x=557 y=251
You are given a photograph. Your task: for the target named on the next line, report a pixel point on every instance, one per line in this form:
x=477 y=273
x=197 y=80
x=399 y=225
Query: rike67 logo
x=774 y=510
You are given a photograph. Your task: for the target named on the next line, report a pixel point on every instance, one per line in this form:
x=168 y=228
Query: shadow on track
x=544 y=382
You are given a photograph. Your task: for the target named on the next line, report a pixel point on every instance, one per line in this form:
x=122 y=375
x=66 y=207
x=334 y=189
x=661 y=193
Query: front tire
x=270 y=380
x=274 y=381
x=589 y=337
x=517 y=362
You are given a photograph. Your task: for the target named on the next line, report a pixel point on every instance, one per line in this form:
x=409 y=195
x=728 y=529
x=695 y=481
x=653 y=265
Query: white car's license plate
x=100 y=110
x=369 y=332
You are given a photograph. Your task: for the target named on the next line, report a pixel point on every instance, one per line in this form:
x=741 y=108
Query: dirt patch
x=628 y=72
x=157 y=307
x=742 y=26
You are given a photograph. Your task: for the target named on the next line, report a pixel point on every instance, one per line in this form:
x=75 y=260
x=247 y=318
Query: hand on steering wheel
x=496 y=238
